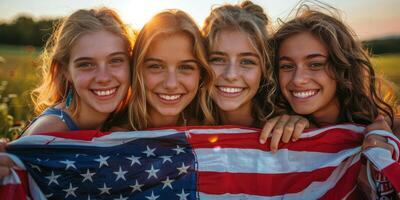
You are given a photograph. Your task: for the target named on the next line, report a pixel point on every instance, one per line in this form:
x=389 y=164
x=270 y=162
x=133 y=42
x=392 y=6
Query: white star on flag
x=179 y=150
x=35 y=167
x=183 y=169
x=166 y=158
x=104 y=189
x=152 y=172
x=88 y=176
x=167 y=183
x=136 y=187
x=134 y=160
x=149 y=152
x=182 y=195
x=121 y=198
x=152 y=197
x=70 y=190
x=69 y=163
x=102 y=160
x=120 y=174
x=53 y=178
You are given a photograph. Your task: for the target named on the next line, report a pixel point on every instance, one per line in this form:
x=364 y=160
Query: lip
x=169 y=99
x=230 y=91
x=304 y=94
x=105 y=93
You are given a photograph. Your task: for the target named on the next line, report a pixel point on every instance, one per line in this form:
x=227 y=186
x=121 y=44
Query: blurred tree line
x=24 y=30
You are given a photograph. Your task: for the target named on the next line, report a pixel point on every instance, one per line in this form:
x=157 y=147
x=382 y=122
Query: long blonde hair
x=251 y=19
x=164 y=23
x=54 y=59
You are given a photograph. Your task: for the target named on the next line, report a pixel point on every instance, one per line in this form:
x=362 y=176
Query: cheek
x=192 y=82
x=283 y=82
x=218 y=71
x=253 y=78
x=82 y=79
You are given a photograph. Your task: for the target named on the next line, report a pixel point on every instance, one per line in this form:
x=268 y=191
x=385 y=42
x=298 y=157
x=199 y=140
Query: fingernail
x=294 y=139
x=262 y=141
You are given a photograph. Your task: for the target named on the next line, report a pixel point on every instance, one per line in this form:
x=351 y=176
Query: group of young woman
x=310 y=72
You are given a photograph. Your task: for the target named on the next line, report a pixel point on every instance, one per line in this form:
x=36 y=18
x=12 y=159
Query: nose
x=231 y=72
x=103 y=74
x=171 y=81
x=301 y=76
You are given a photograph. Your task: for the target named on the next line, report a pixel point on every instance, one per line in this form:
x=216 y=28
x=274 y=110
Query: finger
x=289 y=128
x=379 y=144
x=269 y=125
x=278 y=131
x=378 y=124
x=299 y=128
x=4 y=171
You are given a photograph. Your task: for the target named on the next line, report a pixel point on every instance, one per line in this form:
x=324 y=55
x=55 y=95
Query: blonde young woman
x=85 y=75
x=244 y=89
x=170 y=75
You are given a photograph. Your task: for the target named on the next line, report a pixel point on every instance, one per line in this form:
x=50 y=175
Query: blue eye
x=217 y=60
x=286 y=67
x=117 y=60
x=317 y=65
x=247 y=62
x=85 y=65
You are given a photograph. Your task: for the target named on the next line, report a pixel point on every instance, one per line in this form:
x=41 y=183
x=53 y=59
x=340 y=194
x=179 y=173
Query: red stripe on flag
x=330 y=141
x=85 y=135
x=346 y=183
x=259 y=184
x=16 y=191
x=392 y=172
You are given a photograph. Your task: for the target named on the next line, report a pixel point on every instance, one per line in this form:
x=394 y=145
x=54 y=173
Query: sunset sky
x=369 y=18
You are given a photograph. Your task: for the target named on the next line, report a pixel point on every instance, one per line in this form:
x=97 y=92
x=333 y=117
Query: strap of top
x=60 y=114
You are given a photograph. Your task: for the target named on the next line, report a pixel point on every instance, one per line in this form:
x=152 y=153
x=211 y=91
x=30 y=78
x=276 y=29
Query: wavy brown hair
x=348 y=62
x=251 y=19
x=55 y=57
x=166 y=23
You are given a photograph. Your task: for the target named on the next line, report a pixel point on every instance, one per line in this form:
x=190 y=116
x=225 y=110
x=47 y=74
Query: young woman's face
x=237 y=68
x=303 y=76
x=171 y=74
x=99 y=71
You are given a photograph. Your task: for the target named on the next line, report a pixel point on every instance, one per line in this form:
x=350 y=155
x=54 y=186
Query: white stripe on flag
x=283 y=161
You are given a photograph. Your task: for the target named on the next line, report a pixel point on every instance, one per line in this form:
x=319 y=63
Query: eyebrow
x=241 y=54
x=79 y=59
x=307 y=57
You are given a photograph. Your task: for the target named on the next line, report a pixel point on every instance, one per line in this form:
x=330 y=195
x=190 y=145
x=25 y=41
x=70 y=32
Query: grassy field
x=19 y=75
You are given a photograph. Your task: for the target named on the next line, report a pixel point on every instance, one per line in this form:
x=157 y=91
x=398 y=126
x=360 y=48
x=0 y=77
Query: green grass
x=389 y=66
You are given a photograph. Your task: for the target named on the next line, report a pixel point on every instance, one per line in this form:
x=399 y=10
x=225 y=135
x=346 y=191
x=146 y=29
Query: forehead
x=233 y=40
x=171 y=45
x=302 y=44
x=97 y=43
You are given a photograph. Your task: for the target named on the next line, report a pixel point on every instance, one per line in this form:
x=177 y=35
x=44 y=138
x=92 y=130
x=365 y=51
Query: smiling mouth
x=229 y=91
x=104 y=92
x=172 y=98
x=304 y=94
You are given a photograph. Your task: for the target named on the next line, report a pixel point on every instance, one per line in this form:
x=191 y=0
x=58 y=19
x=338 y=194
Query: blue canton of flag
x=145 y=168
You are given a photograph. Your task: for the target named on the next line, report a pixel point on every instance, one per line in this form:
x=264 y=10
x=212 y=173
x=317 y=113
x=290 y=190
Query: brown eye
x=217 y=60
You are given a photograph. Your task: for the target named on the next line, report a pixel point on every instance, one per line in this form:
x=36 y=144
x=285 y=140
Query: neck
x=89 y=119
x=329 y=115
x=158 y=120
x=241 y=116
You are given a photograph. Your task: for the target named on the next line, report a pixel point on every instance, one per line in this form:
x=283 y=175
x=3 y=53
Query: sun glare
x=137 y=13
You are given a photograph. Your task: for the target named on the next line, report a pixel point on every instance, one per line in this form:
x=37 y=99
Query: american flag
x=220 y=162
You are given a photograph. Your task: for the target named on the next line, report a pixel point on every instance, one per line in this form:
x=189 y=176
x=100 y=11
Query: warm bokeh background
x=24 y=27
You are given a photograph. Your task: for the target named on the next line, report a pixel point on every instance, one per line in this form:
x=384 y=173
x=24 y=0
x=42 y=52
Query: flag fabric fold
x=208 y=162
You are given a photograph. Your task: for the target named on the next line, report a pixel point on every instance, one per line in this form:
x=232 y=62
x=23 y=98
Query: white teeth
x=169 y=97
x=304 y=94
x=105 y=92
x=230 y=89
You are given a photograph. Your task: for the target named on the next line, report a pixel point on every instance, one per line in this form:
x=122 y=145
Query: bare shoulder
x=46 y=124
